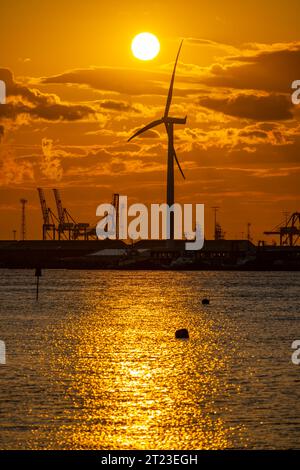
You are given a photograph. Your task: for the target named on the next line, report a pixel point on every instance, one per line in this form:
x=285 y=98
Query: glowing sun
x=145 y=46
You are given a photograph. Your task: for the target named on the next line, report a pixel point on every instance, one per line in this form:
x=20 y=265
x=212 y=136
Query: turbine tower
x=169 y=122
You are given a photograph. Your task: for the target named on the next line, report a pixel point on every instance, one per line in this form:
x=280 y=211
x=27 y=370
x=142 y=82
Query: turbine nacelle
x=174 y=120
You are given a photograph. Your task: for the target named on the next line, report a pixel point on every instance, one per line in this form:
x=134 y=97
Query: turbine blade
x=146 y=128
x=169 y=99
x=178 y=164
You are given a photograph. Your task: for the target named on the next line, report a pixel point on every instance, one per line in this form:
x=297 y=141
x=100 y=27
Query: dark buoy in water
x=182 y=334
x=205 y=301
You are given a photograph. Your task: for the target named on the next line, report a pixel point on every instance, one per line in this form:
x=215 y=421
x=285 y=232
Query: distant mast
x=23 y=219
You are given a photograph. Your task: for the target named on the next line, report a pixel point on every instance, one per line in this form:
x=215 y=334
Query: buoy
x=205 y=301
x=182 y=334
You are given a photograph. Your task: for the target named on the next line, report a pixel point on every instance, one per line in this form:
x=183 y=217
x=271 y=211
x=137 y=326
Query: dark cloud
x=212 y=44
x=150 y=134
x=31 y=102
x=133 y=82
x=254 y=134
x=126 y=81
x=49 y=112
x=202 y=41
x=35 y=97
x=113 y=105
x=64 y=112
x=272 y=71
x=260 y=108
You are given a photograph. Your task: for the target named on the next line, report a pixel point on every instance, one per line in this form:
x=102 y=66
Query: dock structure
x=147 y=254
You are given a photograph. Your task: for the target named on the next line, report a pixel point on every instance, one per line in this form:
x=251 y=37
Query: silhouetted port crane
x=68 y=228
x=49 y=218
x=219 y=234
x=289 y=233
x=91 y=233
x=66 y=222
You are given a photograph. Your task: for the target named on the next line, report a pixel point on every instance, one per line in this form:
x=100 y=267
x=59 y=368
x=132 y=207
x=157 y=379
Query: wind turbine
x=169 y=122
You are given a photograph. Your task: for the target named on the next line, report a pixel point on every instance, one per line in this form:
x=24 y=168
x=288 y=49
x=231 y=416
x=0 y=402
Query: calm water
x=94 y=364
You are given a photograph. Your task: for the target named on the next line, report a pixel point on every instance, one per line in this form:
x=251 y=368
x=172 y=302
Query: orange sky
x=76 y=93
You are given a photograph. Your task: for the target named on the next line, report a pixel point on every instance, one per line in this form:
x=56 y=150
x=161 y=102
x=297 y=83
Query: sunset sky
x=75 y=94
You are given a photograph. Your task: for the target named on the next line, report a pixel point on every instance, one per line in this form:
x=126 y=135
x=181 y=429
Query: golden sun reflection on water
x=127 y=383
x=95 y=365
